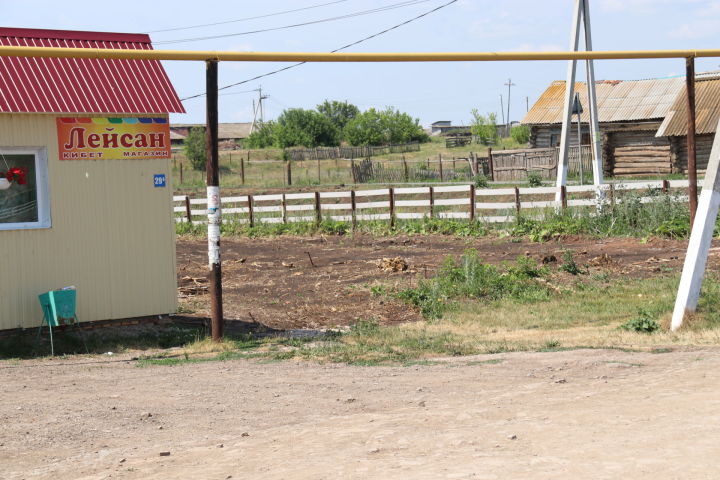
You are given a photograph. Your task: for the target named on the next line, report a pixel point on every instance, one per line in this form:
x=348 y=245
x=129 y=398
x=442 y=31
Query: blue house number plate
x=159 y=180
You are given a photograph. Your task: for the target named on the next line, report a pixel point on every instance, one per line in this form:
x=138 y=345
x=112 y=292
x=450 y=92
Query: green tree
x=339 y=113
x=520 y=133
x=485 y=128
x=297 y=126
x=262 y=137
x=365 y=129
x=195 y=148
x=380 y=127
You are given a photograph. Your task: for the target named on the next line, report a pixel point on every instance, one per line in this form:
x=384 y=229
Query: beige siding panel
x=112 y=236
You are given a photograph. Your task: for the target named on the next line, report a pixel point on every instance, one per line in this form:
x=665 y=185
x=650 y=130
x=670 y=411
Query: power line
x=332 y=51
x=310 y=7
x=296 y=25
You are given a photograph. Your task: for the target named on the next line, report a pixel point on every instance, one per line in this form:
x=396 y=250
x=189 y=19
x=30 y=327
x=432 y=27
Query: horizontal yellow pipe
x=345 y=57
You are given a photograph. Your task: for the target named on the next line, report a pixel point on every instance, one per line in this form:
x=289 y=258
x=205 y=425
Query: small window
x=24 y=205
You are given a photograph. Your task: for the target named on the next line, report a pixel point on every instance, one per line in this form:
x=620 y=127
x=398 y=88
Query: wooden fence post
x=242 y=170
x=248 y=157
x=563 y=196
x=405 y=169
x=181 y=173
x=251 y=214
x=288 y=167
x=318 y=212
x=665 y=186
x=472 y=202
x=612 y=194
x=517 y=201
x=441 y=166
x=391 y=197
x=188 y=211
x=476 y=163
x=432 y=202
x=491 y=167
x=353 y=209
x=318 y=170
x=352 y=170
x=283 y=207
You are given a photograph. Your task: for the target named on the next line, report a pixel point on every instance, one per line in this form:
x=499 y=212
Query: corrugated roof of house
x=225 y=130
x=707 y=110
x=618 y=100
x=82 y=85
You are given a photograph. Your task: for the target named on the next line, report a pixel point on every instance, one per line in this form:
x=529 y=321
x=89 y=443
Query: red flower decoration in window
x=15 y=174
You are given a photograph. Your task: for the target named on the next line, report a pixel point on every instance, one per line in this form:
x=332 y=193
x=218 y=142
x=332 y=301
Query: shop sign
x=112 y=138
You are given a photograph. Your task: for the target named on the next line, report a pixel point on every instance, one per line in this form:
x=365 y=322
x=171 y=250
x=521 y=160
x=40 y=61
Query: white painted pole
x=700 y=239
x=567 y=111
x=592 y=101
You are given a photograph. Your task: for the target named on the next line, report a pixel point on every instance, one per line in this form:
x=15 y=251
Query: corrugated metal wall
x=112 y=235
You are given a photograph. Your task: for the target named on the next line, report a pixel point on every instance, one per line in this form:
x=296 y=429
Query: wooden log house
x=642 y=122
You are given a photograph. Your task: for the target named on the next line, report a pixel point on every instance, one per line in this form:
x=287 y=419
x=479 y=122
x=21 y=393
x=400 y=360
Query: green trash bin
x=59 y=309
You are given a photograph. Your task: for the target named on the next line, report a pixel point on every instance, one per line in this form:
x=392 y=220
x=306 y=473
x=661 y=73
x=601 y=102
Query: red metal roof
x=82 y=85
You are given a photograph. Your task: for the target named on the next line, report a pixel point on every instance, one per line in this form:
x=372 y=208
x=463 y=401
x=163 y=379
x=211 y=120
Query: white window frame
x=43 y=188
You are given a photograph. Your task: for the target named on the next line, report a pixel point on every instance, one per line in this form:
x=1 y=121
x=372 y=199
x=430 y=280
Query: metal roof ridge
x=74 y=35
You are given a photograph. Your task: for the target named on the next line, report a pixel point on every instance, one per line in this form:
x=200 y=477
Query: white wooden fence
x=454 y=201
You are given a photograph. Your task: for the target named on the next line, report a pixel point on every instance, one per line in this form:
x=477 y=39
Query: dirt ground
x=564 y=415
x=295 y=282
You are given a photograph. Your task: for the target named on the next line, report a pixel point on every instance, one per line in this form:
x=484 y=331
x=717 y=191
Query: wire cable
x=296 y=25
x=333 y=51
x=310 y=7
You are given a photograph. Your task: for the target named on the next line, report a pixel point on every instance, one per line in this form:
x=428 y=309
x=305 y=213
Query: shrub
x=481 y=181
x=195 y=148
x=263 y=137
x=485 y=128
x=382 y=127
x=643 y=323
x=534 y=179
x=520 y=133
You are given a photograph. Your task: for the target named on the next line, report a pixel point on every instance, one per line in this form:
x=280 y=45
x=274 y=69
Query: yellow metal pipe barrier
x=49 y=52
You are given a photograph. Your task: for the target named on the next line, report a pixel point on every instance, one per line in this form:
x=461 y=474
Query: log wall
x=639 y=152
x=703 y=144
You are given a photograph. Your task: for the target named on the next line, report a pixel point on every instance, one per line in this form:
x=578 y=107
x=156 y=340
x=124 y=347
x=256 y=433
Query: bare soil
x=292 y=282
x=598 y=414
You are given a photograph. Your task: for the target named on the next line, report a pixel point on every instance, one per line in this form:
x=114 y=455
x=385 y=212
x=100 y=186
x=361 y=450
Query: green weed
x=469 y=278
x=644 y=322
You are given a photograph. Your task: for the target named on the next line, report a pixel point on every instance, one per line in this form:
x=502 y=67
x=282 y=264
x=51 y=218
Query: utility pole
x=509 y=85
x=213 y=199
x=258 y=108
x=527 y=104
x=502 y=109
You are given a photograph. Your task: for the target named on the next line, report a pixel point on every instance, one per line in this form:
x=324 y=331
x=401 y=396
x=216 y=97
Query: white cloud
x=706 y=23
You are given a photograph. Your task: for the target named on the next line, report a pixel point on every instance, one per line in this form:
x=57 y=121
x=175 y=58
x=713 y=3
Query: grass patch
x=468 y=277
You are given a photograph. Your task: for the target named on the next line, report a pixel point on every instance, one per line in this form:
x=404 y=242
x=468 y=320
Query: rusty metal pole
x=213 y=197
x=691 y=160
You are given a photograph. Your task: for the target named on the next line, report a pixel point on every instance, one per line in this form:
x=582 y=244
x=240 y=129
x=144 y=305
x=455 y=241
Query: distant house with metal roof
x=445 y=127
x=227 y=132
x=87 y=144
x=629 y=112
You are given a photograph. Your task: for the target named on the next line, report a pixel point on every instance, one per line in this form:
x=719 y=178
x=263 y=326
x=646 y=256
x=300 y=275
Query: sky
x=427 y=91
